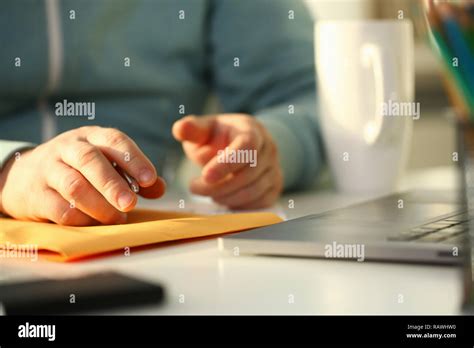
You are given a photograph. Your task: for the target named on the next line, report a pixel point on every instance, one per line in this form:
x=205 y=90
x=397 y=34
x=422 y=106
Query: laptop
x=417 y=226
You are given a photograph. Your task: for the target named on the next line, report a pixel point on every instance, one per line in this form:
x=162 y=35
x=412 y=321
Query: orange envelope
x=65 y=243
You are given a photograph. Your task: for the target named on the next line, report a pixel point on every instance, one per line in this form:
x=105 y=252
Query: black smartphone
x=92 y=292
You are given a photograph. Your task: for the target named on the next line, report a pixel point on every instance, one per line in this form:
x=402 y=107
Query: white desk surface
x=201 y=280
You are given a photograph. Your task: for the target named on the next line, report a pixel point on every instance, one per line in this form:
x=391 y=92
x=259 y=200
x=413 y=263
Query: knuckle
x=249 y=141
x=68 y=216
x=114 y=137
x=74 y=186
x=111 y=188
x=86 y=154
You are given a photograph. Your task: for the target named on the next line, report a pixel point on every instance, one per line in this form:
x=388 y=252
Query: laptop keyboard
x=448 y=230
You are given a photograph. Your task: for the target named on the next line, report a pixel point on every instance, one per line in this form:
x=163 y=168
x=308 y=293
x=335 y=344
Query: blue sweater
x=147 y=63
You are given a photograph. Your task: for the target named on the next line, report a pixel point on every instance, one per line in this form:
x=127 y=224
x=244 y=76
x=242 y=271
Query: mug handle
x=372 y=56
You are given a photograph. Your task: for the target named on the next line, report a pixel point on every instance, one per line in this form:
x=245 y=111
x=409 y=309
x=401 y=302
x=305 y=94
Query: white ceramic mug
x=365 y=70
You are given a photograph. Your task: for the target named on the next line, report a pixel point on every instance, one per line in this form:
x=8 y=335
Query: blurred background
x=434 y=135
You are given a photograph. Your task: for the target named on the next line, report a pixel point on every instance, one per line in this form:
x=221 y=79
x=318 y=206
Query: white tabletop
x=201 y=280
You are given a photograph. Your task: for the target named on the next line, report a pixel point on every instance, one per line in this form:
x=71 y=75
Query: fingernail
x=125 y=199
x=146 y=176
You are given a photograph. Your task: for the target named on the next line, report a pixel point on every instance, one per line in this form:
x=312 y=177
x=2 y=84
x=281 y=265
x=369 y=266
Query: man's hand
x=70 y=179
x=210 y=141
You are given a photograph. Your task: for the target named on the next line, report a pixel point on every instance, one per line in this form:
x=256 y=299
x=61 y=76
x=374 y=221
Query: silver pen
x=132 y=182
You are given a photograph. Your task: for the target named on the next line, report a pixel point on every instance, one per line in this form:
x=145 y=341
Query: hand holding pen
x=70 y=179
x=132 y=182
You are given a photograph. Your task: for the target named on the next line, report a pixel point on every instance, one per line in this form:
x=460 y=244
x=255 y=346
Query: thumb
x=197 y=130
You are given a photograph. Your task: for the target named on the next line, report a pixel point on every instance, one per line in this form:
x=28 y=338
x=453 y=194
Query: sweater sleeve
x=9 y=148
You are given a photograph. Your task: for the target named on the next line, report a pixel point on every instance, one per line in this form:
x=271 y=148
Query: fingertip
x=147 y=177
x=157 y=190
x=176 y=130
x=194 y=185
x=161 y=187
x=126 y=201
x=182 y=128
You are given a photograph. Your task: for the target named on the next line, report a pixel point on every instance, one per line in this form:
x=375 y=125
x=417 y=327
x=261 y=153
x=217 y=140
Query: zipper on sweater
x=55 y=66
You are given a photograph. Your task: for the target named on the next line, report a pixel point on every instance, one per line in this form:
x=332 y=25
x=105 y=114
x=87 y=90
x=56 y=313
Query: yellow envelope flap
x=143 y=227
